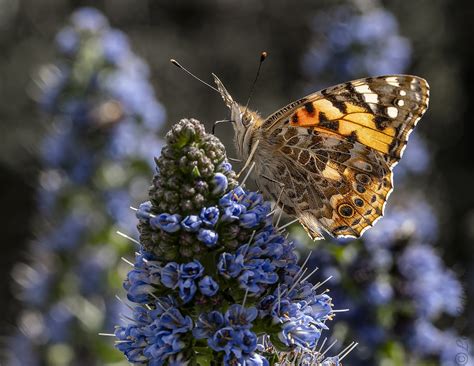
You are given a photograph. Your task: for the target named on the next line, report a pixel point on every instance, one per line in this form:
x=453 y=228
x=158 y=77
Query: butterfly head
x=242 y=118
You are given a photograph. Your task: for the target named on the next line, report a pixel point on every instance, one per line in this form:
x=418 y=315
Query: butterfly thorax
x=246 y=127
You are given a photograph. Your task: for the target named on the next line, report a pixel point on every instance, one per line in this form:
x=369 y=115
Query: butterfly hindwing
x=330 y=182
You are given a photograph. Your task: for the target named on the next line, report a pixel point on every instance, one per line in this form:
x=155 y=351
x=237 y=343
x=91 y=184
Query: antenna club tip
x=174 y=62
x=263 y=56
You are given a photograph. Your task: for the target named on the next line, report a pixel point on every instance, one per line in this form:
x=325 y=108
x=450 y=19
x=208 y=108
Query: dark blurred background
x=226 y=37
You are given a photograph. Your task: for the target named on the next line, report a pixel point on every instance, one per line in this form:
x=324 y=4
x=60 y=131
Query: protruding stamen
x=347 y=350
x=319 y=284
x=127 y=261
x=245 y=297
x=106 y=334
x=312 y=273
x=329 y=347
x=340 y=311
x=128 y=237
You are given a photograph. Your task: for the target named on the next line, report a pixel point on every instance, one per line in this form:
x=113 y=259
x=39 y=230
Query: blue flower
x=170 y=275
x=430 y=282
x=138 y=286
x=89 y=19
x=239 y=317
x=155 y=336
x=236 y=195
x=319 y=305
x=380 y=292
x=208 y=286
x=254 y=200
x=245 y=341
x=166 y=222
x=143 y=212
x=67 y=40
x=173 y=320
x=300 y=332
x=191 y=223
x=249 y=280
x=187 y=289
x=226 y=166
x=207 y=324
x=222 y=340
x=230 y=265
x=249 y=220
x=191 y=270
x=233 y=211
x=208 y=237
x=258 y=273
x=116 y=46
x=219 y=183
x=210 y=215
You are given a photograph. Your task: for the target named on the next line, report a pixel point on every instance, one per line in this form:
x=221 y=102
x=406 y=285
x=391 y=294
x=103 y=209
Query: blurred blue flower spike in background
x=403 y=300
x=352 y=41
x=215 y=283
x=97 y=160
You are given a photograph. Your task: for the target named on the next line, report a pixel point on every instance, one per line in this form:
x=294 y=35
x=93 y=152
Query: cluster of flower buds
x=215 y=282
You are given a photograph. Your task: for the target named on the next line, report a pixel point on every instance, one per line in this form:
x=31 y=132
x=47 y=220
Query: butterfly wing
x=342 y=174
x=330 y=182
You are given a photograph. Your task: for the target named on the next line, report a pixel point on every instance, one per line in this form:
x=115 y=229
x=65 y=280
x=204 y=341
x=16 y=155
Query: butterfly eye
x=246 y=119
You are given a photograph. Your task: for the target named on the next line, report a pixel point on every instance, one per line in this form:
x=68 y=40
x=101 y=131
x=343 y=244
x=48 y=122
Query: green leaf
x=204 y=356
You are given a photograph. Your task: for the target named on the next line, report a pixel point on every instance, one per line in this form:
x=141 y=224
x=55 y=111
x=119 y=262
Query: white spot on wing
x=363 y=89
x=392 y=81
x=403 y=93
x=331 y=173
x=371 y=98
x=392 y=112
x=400 y=102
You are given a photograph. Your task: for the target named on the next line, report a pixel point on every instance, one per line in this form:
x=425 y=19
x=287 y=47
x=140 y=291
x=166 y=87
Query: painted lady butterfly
x=332 y=151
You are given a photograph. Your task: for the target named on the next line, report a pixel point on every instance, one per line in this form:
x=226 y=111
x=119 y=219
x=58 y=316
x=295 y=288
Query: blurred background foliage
x=311 y=45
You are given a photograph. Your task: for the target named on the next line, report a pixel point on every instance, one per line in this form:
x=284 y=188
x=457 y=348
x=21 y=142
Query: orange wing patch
x=345 y=119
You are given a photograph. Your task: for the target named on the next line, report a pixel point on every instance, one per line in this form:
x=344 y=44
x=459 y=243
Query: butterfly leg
x=249 y=159
x=282 y=188
x=217 y=122
x=234 y=160
x=279 y=217
x=248 y=174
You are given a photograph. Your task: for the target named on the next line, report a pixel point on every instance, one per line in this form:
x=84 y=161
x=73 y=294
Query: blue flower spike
x=224 y=286
x=103 y=119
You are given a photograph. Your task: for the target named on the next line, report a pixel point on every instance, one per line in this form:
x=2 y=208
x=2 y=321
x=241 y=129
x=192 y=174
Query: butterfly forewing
x=378 y=112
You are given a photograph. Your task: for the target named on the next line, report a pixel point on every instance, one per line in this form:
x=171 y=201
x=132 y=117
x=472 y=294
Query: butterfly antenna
x=263 y=56
x=178 y=65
